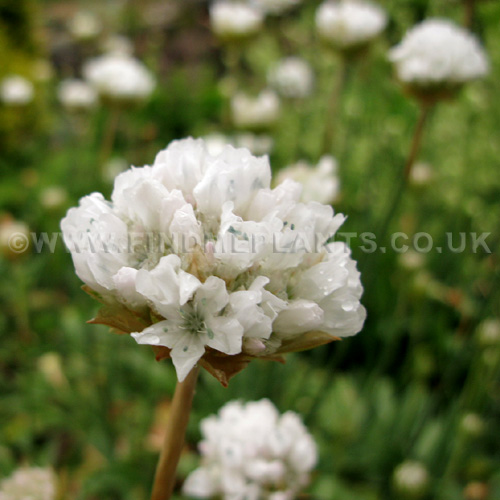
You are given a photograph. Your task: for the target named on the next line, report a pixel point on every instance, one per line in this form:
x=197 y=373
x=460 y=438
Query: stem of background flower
x=417 y=139
x=174 y=439
x=470 y=11
x=333 y=106
x=109 y=136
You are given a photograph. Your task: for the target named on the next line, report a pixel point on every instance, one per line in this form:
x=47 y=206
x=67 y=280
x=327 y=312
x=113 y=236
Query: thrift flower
x=251 y=451
x=319 y=183
x=197 y=256
x=235 y=20
x=33 y=483
x=119 y=77
x=257 y=112
x=76 y=95
x=438 y=51
x=15 y=90
x=85 y=26
x=292 y=77
x=349 y=24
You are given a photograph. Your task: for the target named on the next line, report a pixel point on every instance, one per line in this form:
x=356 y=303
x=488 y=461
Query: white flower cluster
x=251 y=452
x=320 y=183
x=257 y=112
x=119 y=76
x=349 y=23
x=437 y=51
x=275 y=7
x=235 y=20
x=258 y=144
x=292 y=77
x=76 y=94
x=85 y=25
x=16 y=90
x=33 y=483
x=241 y=268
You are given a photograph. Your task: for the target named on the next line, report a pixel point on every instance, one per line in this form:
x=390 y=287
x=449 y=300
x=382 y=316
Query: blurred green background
x=421 y=382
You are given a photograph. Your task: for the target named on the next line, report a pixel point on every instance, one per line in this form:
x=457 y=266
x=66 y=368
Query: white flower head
x=222 y=262
x=85 y=25
x=349 y=23
x=34 y=483
x=119 y=77
x=257 y=112
x=275 y=7
x=437 y=52
x=16 y=90
x=76 y=94
x=320 y=183
x=251 y=451
x=234 y=20
x=292 y=77
x=411 y=478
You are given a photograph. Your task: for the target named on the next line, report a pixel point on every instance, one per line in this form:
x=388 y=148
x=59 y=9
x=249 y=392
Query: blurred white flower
x=257 y=144
x=488 y=332
x=33 y=483
x=411 y=479
x=53 y=197
x=421 y=175
x=275 y=6
x=250 y=451
x=119 y=77
x=234 y=20
x=76 y=94
x=320 y=183
x=16 y=90
x=118 y=44
x=85 y=25
x=437 y=51
x=349 y=23
x=292 y=77
x=14 y=238
x=472 y=424
x=221 y=259
x=113 y=167
x=257 y=112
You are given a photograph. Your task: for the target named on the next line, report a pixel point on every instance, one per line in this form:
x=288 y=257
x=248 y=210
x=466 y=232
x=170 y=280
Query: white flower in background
x=16 y=90
x=292 y=77
x=119 y=77
x=251 y=451
x=411 y=479
x=53 y=197
x=421 y=175
x=85 y=25
x=437 y=51
x=224 y=262
x=118 y=44
x=488 y=332
x=258 y=144
x=256 y=112
x=15 y=238
x=320 y=183
x=113 y=167
x=347 y=24
x=275 y=6
x=234 y=20
x=76 y=94
x=33 y=483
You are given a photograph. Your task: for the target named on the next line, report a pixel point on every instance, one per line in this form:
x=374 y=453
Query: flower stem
x=333 y=106
x=174 y=439
x=109 y=136
x=417 y=139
